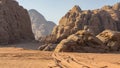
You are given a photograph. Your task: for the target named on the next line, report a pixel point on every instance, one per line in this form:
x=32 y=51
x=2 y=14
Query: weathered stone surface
x=15 y=25
x=111 y=39
x=97 y=19
x=70 y=36
x=116 y=6
x=40 y=26
x=82 y=41
x=48 y=43
x=47 y=47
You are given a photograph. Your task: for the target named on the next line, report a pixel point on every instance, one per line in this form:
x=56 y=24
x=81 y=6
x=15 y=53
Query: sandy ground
x=87 y=60
x=20 y=58
x=12 y=57
x=26 y=45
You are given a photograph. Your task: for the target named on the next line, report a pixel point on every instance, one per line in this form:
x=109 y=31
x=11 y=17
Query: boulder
x=47 y=47
x=81 y=41
x=111 y=39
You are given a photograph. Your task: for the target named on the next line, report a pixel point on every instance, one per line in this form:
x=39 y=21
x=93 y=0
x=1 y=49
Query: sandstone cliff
x=40 y=26
x=15 y=23
x=108 y=17
x=65 y=36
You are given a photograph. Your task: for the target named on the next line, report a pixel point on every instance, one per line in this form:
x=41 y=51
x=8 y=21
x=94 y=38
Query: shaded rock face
x=82 y=41
x=111 y=39
x=108 y=17
x=15 y=23
x=40 y=26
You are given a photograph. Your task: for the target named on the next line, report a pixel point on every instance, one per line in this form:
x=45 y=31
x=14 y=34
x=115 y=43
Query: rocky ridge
x=97 y=19
x=70 y=30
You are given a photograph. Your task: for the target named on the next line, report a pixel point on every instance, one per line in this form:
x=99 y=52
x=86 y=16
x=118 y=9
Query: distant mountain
x=40 y=26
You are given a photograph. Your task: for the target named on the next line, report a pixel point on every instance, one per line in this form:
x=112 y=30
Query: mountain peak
x=33 y=10
x=116 y=6
x=40 y=26
x=76 y=8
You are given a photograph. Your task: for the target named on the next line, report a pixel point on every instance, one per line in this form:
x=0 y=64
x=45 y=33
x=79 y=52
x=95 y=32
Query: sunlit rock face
x=40 y=26
x=108 y=17
x=111 y=39
x=81 y=41
x=15 y=25
x=70 y=35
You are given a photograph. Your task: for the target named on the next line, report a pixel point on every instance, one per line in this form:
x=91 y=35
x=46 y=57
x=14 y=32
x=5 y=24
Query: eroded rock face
x=108 y=17
x=111 y=39
x=15 y=25
x=82 y=41
x=40 y=26
x=70 y=36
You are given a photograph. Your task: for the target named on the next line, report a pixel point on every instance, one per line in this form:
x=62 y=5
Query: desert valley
x=82 y=39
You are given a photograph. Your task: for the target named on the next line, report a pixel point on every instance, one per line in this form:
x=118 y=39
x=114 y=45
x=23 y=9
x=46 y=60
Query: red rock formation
x=111 y=39
x=98 y=20
x=108 y=17
x=81 y=41
x=15 y=23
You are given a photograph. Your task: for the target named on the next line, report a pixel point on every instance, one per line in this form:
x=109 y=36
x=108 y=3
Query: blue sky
x=53 y=10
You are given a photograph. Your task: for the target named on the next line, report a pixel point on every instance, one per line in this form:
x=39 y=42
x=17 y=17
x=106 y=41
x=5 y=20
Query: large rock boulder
x=15 y=25
x=47 y=47
x=40 y=26
x=82 y=41
x=48 y=43
x=111 y=39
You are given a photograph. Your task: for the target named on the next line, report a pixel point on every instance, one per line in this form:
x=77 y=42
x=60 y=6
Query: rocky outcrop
x=70 y=36
x=82 y=41
x=15 y=25
x=47 y=47
x=48 y=43
x=85 y=41
x=40 y=26
x=108 y=17
x=111 y=39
